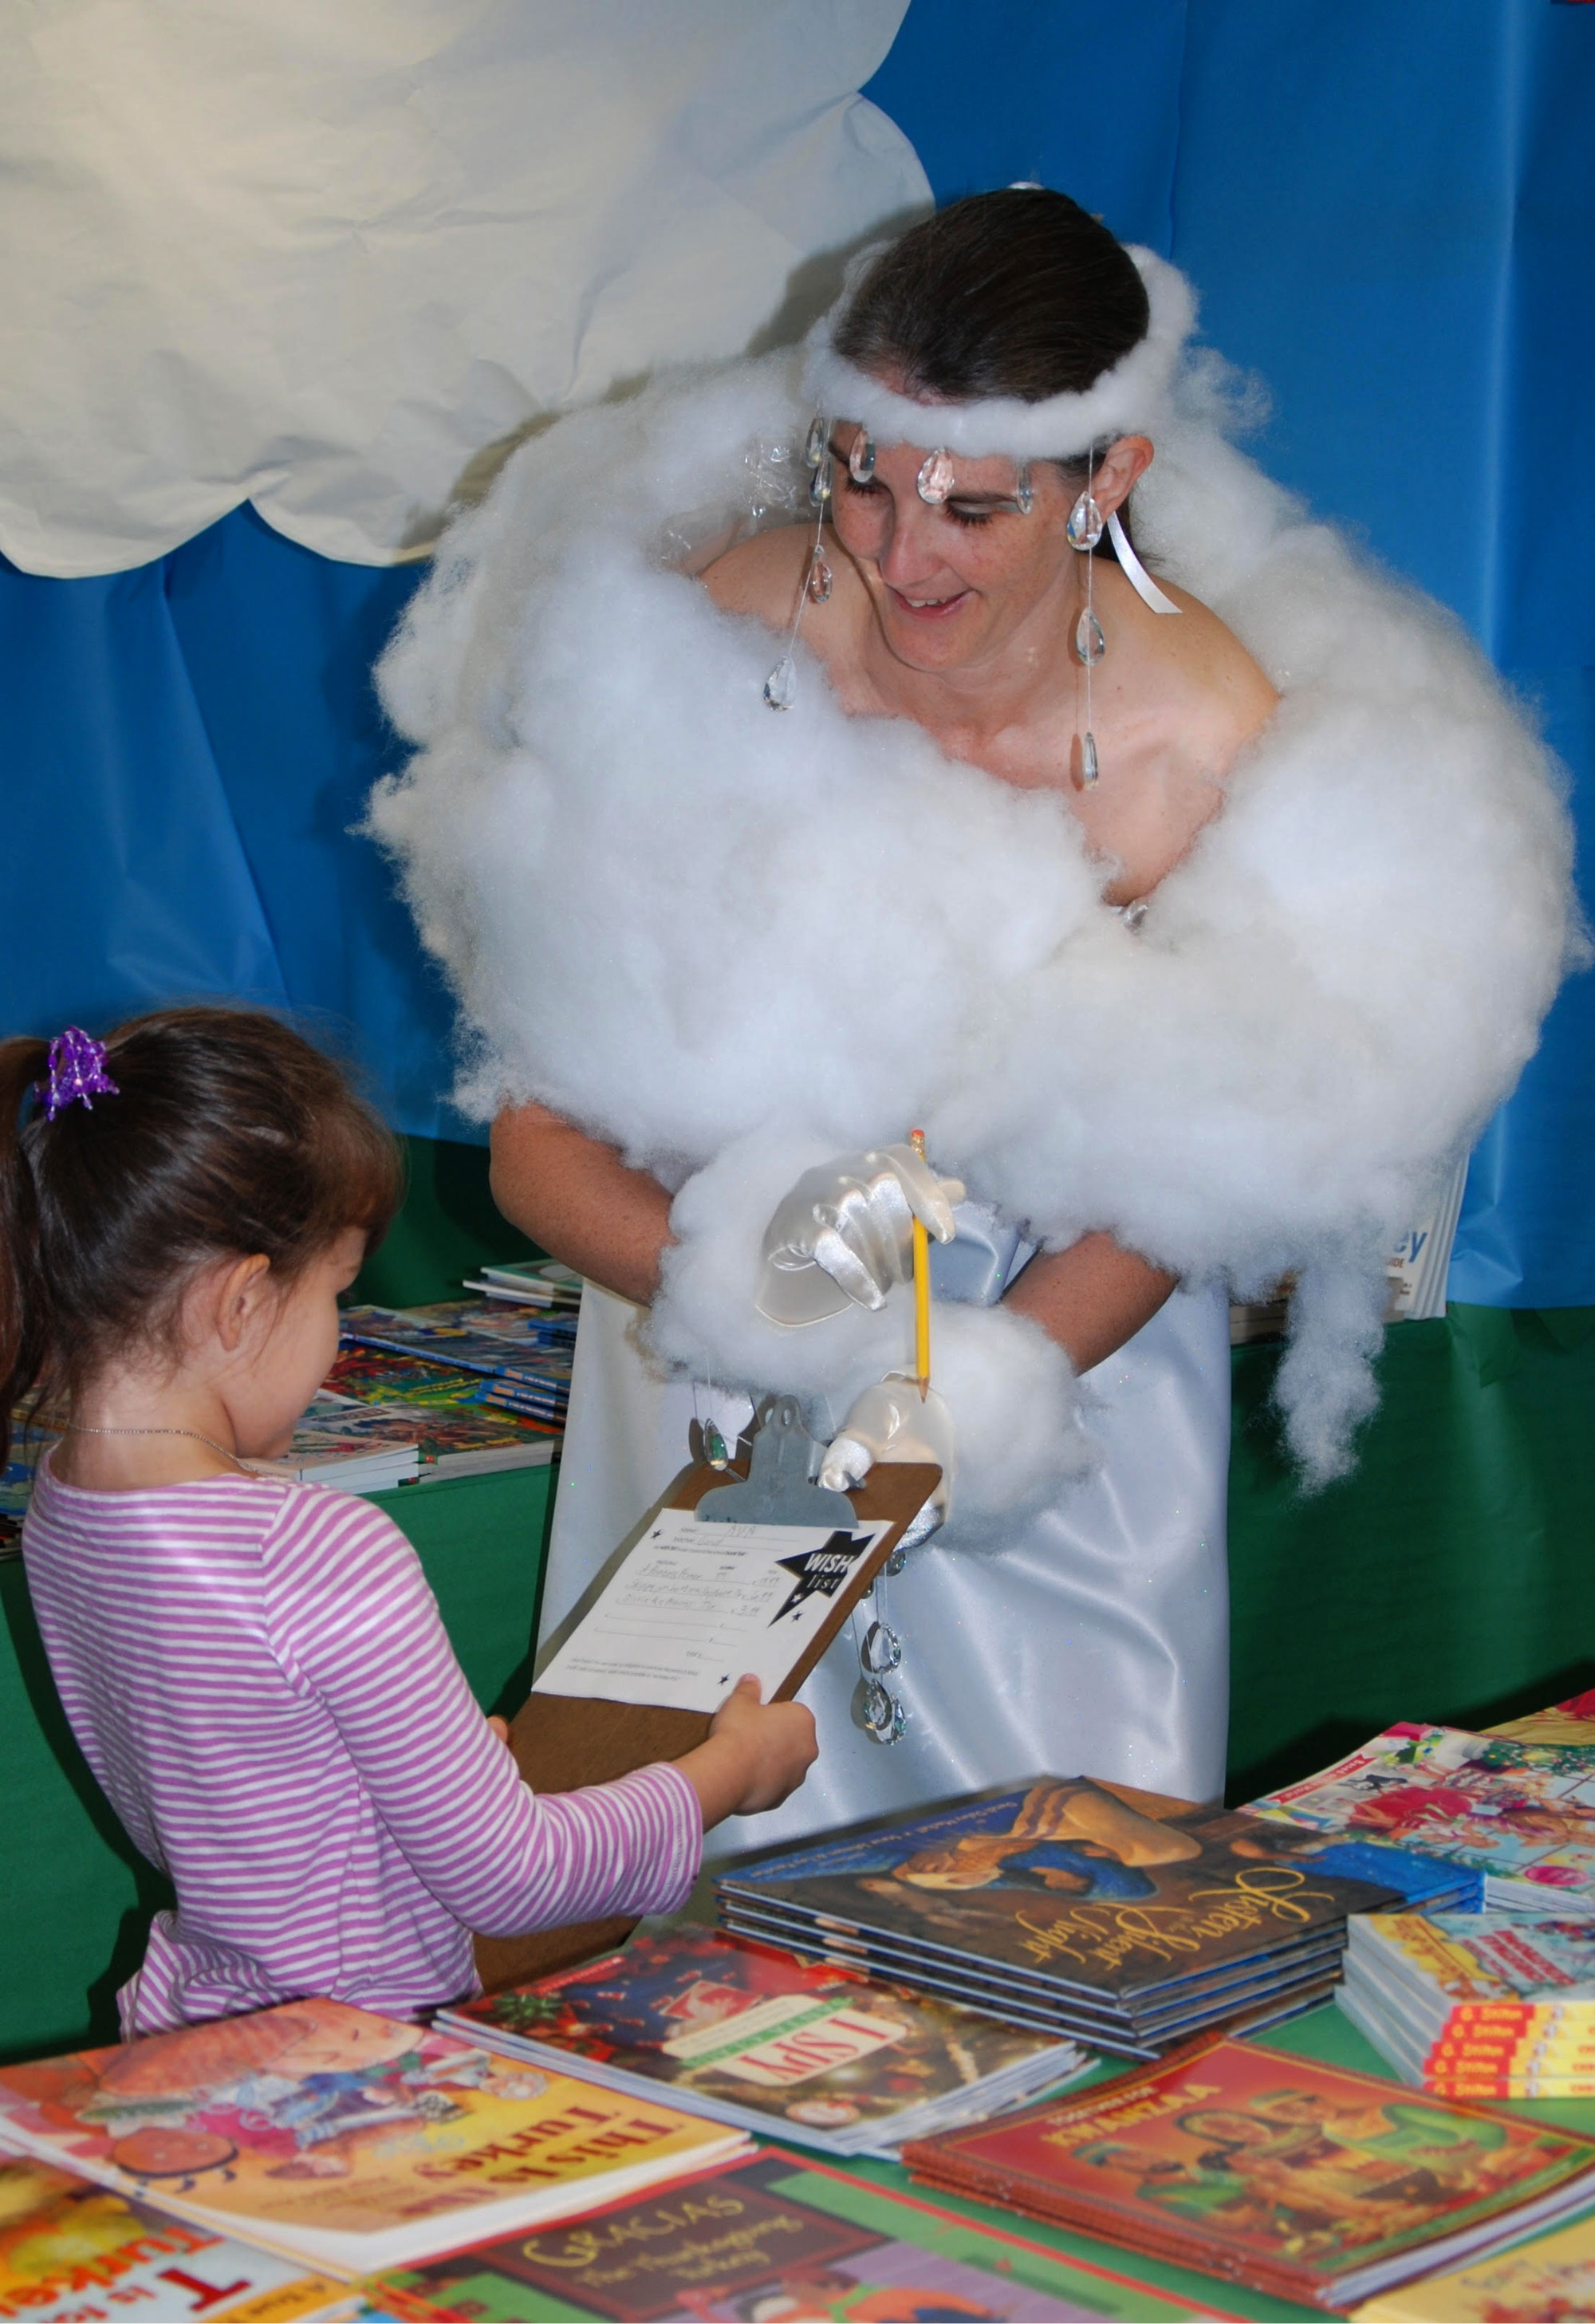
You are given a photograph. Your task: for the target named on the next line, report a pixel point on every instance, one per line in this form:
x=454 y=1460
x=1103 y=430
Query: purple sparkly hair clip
x=77 y=1072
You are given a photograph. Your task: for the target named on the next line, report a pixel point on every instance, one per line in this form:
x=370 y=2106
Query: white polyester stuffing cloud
x=691 y=925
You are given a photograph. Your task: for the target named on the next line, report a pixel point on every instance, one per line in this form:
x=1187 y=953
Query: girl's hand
x=757 y=1755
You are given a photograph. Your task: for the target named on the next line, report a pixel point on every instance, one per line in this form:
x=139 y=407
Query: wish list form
x=699 y=1603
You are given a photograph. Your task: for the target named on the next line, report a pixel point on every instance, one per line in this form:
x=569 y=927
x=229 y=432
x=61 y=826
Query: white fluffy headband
x=1131 y=397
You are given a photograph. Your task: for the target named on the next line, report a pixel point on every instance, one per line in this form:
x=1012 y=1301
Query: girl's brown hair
x=229 y=1134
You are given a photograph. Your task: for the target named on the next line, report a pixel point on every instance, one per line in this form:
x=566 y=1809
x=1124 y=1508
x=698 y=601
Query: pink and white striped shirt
x=259 y=1678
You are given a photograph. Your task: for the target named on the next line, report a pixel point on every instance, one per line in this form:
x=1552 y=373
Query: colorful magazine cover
x=74 y=2253
x=752 y=2034
x=1523 y=1813
x=384 y=1376
x=1299 y=2178
x=771 y=2241
x=345 y=2139
x=1551 y=2281
x=1448 y=1960
x=1569 y=1722
x=1069 y=1882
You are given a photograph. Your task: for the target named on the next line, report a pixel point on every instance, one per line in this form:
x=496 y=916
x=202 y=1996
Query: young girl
x=255 y=1670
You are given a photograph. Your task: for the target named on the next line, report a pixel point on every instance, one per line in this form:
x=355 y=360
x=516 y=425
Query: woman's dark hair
x=229 y=1134
x=1020 y=292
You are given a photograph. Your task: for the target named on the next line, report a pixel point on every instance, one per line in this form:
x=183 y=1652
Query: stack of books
x=519 y=1356
x=360 y=1448
x=1299 y=2179
x=783 y=2238
x=752 y=2035
x=1086 y=1910
x=73 y=2253
x=542 y=1283
x=1478 y=2005
x=340 y=2140
x=1521 y=1814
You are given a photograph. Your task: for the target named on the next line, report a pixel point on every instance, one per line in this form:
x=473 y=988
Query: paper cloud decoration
x=318 y=257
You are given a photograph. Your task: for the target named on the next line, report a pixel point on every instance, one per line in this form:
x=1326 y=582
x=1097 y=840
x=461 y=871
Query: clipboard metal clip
x=779 y=1487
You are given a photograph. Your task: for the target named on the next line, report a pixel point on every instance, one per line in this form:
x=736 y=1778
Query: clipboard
x=561 y=1742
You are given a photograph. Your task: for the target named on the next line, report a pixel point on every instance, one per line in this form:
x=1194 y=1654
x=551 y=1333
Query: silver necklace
x=76 y=1428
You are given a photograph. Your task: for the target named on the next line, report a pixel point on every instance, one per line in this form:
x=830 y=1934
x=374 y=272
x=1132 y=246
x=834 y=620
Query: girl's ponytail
x=213 y=1132
x=24 y=1332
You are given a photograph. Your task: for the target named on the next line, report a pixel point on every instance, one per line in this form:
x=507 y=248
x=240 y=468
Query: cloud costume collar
x=731 y=944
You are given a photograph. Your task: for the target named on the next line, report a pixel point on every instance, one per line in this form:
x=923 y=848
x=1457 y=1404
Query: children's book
x=754 y=2036
x=363 y=1448
x=779 y=2239
x=1522 y=1813
x=71 y=2251
x=1551 y=2281
x=343 y=2139
x=384 y=1376
x=1306 y=2180
x=1126 y=1913
x=1572 y=1721
x=535 y=1282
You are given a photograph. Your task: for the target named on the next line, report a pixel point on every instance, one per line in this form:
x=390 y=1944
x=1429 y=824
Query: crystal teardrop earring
x=1085 y=529
x=780 y=687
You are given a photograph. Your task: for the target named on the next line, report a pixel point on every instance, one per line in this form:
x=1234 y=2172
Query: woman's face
x=955 y=582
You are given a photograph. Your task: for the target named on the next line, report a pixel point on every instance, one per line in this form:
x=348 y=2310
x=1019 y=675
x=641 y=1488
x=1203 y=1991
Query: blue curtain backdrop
x=1389 y=213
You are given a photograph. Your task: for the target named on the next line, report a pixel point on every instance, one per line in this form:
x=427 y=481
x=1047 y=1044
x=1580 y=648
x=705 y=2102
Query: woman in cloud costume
x=702 y=947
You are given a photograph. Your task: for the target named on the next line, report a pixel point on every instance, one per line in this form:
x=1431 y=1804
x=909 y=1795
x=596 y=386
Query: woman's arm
x=1090 y=1298
x=576 y=1197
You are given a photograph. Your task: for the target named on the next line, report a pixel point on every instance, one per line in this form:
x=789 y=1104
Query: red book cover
x=1280 y=2172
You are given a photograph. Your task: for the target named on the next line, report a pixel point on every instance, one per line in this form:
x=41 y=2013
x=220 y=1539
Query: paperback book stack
x=73 y=2253
x=1521 y=1814
x=1078 y=1909
x=518 y=1355
x=754 y=2036
x=1302 y=2180
x=541 y=1283
x=1478 y=2005
x=783 y=2239
x=343 y=2140
x=359 y=1448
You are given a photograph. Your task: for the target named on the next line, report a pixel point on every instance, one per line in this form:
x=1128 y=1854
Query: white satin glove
x=891 y=1422
x=844 y=1234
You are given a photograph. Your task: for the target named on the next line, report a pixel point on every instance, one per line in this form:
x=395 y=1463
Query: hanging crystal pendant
x=1090 y=644
x=883 y=1649
x=819 y=578
x=883 y=1715
x=861 y=457
x=1024 y=491
x=780 y=687
x=819 y=484
x=1088 y=762
x=1085 y=524
x=716 y=1452
x=814 y=449
x=935 y=481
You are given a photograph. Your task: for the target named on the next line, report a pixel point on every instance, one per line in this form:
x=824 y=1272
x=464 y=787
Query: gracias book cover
x=343 y=2139
x=773 y=2241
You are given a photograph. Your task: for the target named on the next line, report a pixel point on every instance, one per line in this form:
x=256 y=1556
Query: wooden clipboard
x=561 y=1742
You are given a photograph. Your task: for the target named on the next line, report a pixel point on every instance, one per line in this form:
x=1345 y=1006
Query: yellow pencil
x=921 y=1288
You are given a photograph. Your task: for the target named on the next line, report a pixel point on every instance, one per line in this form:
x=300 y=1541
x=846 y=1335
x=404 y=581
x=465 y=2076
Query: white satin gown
x=1094 y=1642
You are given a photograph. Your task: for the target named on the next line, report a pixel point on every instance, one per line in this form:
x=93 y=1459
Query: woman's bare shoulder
x=1237 y=695
x=760 y=575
